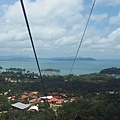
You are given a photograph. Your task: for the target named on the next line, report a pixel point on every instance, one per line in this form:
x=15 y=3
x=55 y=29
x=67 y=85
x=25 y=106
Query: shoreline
x=80 y=67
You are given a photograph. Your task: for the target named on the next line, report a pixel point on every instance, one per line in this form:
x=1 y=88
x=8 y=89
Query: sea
x=80 y=66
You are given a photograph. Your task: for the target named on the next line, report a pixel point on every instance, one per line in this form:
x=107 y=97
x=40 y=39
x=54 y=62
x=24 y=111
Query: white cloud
x=13 y=14
x=115 y=19
x=100 y=45
x=66 y=40
x=57 y=27
x=109 y=43
x=50 y=22
x=88 y=42
x=99 y=17
x=118 y=46
x=115 y=35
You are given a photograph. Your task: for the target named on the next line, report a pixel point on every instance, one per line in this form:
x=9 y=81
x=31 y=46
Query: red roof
x=24 y=96
x=54 y=99
x=57 y=97
x=33 y=93
x=20 y=99
x=60 y=101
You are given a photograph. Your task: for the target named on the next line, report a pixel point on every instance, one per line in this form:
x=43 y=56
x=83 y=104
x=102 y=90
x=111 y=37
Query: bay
x=80 y=67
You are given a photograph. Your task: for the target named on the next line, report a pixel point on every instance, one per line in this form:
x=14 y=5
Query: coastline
x=80 y=67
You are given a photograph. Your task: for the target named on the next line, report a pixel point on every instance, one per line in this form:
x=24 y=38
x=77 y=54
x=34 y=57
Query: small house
x=20 y=106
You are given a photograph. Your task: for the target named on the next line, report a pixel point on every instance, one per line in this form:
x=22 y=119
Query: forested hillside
x=97 y=96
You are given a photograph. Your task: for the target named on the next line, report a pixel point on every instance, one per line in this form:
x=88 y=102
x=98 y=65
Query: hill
x=26 y=58
x=113 y=70
x=71 y=58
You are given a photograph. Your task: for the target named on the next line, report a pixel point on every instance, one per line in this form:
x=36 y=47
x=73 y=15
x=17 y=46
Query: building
x=33 y=108
x=20 y=106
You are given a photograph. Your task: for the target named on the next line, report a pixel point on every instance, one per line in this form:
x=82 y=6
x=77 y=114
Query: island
x=15 y=69
x=71 y=58
x=50 y=70
x=1 y=67
x=113 y=70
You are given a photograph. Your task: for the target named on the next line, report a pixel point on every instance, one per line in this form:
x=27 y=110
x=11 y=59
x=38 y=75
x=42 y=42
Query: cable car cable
x=82 y=37
x=31 y=39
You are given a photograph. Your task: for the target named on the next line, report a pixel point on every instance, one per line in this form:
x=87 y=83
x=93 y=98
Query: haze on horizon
x=57 y=27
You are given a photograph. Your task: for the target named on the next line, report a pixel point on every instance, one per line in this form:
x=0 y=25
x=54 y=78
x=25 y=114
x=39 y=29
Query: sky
x=57 y=27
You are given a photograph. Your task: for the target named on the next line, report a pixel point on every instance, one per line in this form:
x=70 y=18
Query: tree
x=4 y=104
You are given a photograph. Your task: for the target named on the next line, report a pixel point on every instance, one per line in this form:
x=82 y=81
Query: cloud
x=117 y=46
x=100 y=45
x=99 y=17
x=115 y=19
x=51 y=23
x=13 y=14
x=57 y=27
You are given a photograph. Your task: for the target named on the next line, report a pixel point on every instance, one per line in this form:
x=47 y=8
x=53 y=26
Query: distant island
x=15 y=69
x=15 y=58
x=50 y=70
x=71 y=58
x=113 y=70
x=26 y=58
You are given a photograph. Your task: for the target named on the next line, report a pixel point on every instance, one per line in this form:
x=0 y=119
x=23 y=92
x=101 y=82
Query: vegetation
x=24 y=115
x=104 y=107
x=98 y=96
x=4 y=104
x=113 y=70
x=1 y=67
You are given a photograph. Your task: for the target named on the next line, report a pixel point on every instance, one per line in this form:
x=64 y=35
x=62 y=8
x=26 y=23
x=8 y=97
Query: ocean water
x=80 y=67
